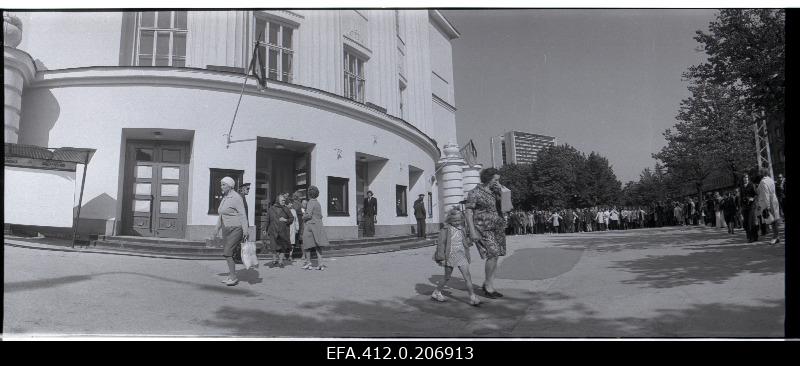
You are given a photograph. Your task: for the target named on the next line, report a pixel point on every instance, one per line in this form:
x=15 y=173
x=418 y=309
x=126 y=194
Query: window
x=337 y=197
x=214 y=190
x=275 y=47
x=353 y=77
x=402 y=100
x=161 y=38
x=402 y=203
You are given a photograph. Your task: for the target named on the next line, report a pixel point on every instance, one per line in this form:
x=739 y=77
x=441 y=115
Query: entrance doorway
x=281 y=167
x=154 y=192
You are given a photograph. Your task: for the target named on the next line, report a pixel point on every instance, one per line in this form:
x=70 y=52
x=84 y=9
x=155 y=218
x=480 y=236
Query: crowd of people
x=753 y=206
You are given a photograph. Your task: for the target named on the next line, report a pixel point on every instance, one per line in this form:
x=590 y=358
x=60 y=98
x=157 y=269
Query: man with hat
x=419 y=213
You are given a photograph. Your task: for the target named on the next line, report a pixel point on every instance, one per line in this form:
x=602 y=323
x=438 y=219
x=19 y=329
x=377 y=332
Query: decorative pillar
x=472 y=177
x=450 y=177
x=18 y=71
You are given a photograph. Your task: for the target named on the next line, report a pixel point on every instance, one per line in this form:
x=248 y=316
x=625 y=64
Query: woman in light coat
x=767 y=202
x=314 y=237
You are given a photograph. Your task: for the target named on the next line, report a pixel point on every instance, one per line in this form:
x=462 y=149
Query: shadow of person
x=250 y=276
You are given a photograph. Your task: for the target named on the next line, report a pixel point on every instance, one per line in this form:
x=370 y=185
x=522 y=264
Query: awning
x=65 y=154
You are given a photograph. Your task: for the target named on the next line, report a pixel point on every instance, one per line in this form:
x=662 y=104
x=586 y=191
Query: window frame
x=213 y=185
x=280 y=48
x=172 y=31
x=346 y=199
x=402 y=200
x=358 y=75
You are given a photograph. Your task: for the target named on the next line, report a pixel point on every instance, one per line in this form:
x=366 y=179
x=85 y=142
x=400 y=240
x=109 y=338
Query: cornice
x=232 y=82
x=443 y=103
x=20 y=60
x=444 y=24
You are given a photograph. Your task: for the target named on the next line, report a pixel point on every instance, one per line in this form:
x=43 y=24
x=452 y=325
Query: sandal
x=474 y=301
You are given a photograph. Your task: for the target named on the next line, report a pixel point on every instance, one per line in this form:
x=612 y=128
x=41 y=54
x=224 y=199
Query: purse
x=440 y=255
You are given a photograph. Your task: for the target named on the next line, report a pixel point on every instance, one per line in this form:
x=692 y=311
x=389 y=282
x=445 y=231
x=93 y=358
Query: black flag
x=257 y=67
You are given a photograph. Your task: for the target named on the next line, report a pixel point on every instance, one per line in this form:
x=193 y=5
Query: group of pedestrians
x=558 y=221
x=289 y=220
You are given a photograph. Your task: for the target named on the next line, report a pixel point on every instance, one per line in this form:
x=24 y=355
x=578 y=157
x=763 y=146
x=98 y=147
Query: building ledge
x=232 y=82
x=20 y=60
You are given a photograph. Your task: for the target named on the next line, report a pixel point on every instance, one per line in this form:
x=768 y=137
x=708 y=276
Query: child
x=453 y=251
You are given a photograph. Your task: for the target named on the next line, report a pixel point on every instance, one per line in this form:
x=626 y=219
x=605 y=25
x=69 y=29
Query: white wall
x=60 y=40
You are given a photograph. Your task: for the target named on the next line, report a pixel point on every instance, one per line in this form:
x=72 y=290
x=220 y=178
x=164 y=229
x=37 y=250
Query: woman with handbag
x=276 y=229
x=233 y=225
x=452 y=250
x=767 y=203
x=486 y=225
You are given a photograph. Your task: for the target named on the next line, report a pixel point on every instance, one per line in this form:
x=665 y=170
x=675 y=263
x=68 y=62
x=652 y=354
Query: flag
x=470 y=153
x=257 y=67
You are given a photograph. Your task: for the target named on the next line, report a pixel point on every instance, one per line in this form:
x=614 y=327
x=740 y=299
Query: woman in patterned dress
x=486 y=225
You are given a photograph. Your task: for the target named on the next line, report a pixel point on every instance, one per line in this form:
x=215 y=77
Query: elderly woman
x=767 y=203
x=314 y=237
x=233 y=225
x=486 y=225
x=276 y=228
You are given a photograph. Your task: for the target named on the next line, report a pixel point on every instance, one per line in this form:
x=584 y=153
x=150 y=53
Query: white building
x=357 y=100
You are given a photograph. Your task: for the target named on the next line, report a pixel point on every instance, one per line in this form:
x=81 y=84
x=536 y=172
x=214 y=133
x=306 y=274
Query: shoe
x=437 y=295
x=322 y=267
x=307 y=266
x=491 y=295
x=774 y=241
x=230 y=282
x=474 y=301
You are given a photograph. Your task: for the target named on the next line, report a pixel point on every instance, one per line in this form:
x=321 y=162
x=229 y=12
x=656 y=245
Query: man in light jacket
x=767 y=202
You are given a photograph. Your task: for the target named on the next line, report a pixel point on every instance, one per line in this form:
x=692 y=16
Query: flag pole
x=241 y=93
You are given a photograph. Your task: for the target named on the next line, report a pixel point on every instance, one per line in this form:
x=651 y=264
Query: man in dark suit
x=370 y=214
x=419 y=213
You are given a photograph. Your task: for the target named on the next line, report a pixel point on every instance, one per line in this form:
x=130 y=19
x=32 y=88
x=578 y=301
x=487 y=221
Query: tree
x=746 y=51
x=518 y=178
x=602 y=186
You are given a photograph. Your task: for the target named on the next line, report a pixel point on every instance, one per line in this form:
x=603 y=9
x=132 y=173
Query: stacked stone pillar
x=450 y=176
x=18 y=71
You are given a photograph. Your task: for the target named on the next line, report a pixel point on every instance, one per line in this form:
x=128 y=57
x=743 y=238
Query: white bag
x=249 y=258
x=505 y=199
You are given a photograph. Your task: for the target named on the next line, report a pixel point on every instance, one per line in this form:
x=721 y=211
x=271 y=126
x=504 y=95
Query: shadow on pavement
x=60 y=281
x=520 y=314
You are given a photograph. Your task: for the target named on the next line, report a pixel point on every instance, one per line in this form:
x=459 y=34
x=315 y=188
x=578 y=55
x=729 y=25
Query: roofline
x=445 y=24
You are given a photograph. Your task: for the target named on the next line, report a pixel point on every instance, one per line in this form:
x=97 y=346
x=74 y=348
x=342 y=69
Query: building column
x=450 y=174
x=472 y=177
x=18 y=71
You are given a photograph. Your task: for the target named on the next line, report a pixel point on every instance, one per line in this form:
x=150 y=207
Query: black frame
x=401 y=195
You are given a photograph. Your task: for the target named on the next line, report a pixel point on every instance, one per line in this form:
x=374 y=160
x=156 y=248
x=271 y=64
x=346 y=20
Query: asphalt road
x=668 y=282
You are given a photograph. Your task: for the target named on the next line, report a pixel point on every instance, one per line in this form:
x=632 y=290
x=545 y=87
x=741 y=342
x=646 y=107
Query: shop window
x=214 y=189
x=401 y=200
x=337 y=196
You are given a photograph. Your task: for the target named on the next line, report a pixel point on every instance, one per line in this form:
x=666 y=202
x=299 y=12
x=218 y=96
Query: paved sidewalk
x=667 y=282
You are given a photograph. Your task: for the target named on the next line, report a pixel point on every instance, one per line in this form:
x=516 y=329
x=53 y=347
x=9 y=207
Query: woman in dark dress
x=277 y=229
x=486 y=225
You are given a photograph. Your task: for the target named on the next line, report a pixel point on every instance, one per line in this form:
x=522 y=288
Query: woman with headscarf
x=767 y=203
x=276 y=228
x=232 y=223
x=486 y=225
x=314 y=237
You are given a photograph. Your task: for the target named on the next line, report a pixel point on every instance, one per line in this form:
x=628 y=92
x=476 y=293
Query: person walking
x=767 y=203
x=452 y=250
x=486 y=225
x=419 y=214
x=232 y=224
x=370 y=214
x=314 y=236
x=718 y=216
x=555 y=219
x=729 y=212
x=749 y=196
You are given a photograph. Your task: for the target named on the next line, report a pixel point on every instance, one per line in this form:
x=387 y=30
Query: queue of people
x=559 y=221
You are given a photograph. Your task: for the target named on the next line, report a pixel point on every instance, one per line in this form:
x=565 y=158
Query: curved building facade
x=355 y=100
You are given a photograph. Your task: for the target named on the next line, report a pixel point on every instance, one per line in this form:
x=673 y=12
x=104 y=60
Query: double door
x=156 y=189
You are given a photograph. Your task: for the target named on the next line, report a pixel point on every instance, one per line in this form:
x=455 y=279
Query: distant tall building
x=515 y=147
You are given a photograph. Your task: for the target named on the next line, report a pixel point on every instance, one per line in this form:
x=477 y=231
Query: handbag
x=769 y=219
x=440 y=255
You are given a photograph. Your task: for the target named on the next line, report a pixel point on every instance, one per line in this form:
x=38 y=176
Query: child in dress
x=453 y=251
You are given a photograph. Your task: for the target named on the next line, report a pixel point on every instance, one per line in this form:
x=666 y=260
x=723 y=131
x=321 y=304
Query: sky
x=604 y=80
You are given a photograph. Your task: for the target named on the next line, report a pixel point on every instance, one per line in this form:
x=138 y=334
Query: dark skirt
x=231 y=236
x=369 y=225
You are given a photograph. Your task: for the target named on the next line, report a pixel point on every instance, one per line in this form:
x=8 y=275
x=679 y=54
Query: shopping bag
x=505 y=199
x=248 y=253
